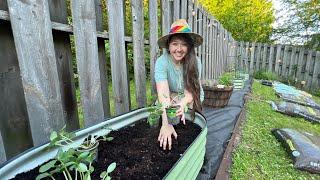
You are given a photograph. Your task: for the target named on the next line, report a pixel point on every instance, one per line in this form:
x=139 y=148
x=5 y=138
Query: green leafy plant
x=226 y=79
x=265 y=75
x=105 y=174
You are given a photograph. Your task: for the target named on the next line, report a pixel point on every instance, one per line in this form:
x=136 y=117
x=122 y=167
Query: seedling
x=105 y=174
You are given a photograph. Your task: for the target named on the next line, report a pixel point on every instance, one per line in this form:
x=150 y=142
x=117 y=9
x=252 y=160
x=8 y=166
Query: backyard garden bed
x=137 y=153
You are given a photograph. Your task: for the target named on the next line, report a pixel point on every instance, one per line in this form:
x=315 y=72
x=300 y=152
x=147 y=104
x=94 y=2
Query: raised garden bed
x=135 y=149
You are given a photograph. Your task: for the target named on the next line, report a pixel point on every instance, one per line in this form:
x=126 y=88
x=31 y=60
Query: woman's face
x=178 y=48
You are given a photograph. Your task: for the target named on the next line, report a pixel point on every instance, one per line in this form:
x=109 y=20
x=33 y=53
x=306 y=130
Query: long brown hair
x=190 y=72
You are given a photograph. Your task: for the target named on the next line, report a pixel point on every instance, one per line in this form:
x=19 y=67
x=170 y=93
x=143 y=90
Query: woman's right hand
x=165 y=134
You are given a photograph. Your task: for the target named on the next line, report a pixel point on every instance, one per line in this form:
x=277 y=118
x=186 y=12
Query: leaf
x=111 y=167
x=82 y=167
x=108 y=178
x=109 y=138
x=103 y=174
x=84 y=155
x=53 y=135
x=43 y=175
x=47 y=166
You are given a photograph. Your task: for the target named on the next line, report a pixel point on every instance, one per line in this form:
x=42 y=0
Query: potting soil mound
x=137 y=153
x=303 y=147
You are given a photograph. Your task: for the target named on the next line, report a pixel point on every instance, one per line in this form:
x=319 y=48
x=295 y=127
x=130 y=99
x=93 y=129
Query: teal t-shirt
x=166 y=70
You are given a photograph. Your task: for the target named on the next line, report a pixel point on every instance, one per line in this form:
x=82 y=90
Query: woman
x=178 y=71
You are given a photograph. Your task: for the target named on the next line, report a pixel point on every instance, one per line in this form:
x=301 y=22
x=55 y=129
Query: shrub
x=266 y=75
x=226 y=79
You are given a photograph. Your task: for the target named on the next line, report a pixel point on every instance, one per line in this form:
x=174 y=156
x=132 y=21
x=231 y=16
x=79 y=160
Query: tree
x=302 y=24
x=247 y=20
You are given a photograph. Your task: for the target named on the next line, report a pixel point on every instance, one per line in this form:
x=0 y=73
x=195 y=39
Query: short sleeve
x=161 y=69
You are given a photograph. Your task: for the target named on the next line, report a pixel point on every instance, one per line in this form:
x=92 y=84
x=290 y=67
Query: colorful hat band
x=180 y=29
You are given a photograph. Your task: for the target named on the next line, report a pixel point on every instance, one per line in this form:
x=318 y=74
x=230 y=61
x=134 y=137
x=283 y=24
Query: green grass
x=259 y=155
x=111 y=97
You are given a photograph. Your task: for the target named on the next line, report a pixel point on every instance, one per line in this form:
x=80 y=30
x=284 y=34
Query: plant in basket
x=217 y=94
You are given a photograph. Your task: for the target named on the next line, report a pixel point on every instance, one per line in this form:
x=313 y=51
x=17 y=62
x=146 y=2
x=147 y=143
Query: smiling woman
x=177 y=71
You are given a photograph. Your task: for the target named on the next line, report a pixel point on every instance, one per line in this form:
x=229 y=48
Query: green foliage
x=259 y=155
x=154 y=114
x=105 y=174
x=247 y=20
x=226 y=79
x=302 y=24
x=265 y=75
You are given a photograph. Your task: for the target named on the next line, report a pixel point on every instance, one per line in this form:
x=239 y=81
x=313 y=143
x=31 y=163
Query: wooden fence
x=37 y=82
x=293 y=63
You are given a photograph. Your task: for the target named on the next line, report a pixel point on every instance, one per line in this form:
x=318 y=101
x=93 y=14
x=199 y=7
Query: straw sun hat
x=180 y=26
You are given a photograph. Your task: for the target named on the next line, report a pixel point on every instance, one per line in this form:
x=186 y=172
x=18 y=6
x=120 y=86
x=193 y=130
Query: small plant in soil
x=105 y=174
x=75 y=162
x=226 y=79
x=171 y=108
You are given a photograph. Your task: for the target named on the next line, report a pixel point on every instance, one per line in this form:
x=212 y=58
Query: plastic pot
x=171 y=112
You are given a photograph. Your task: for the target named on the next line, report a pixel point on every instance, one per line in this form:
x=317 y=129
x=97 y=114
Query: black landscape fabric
x=221 y=122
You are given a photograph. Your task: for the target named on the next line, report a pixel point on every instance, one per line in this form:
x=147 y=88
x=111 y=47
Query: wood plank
x=38 y=67
x=210 y=49
x=191 y=14
x=200 y=28
x=246 y=59
x=176 y=10
x=278 y=60
x=153 y=37
x=119 y=70
x=138 y=52
x=241 y=55
x=14 y=123
x=195 y=21
x=215 y=51
x=271 y=58
x=252 y=51
x=316 y=73
x=165 y=14
x=62 y=47
x=300 y=63
x=292 y=65
x=86 y=45
x=184 y=9
x=264 y=57
x=204 y=46
x=307 y=76
x=258 y=58
x=285 y=61
x=102 y=60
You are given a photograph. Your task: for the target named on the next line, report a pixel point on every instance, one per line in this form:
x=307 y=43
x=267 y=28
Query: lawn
x=259 y=155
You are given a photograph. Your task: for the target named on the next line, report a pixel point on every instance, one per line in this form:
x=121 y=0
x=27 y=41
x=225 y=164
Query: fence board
x=258 y=57
x=16 y=136
x=200 y=28
x=316 y=73
x=165 y=14
x=119 y=70
x=264 y=57
x=210 y=48
x=184 y=9
x=204 y=45
x=278 y=59
x=153 y=37
x=300 y=63
x=252 y=51
x=271 y=58
x=292 y=63
x=176 y=10
x=285 y=61
x=307 y=76
x=191 y=14
x=86 y=45
x=62 y=47
x=138 y=52
x=38 y=66
x=246 y=60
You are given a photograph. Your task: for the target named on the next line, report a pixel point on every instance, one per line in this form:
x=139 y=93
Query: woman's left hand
x=180 y=111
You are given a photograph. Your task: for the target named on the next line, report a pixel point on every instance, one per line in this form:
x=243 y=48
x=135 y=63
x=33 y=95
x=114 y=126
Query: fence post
x=118 y=56
x=316 y=73
x=38 y=67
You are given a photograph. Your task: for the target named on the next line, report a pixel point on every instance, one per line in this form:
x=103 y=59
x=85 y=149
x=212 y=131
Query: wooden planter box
x=187 y=166
x=217 y=97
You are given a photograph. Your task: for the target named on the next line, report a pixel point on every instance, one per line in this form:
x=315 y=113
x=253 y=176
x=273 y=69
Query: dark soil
x=137 y=153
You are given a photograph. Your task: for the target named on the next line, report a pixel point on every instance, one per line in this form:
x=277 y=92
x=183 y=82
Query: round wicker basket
x=216 y=97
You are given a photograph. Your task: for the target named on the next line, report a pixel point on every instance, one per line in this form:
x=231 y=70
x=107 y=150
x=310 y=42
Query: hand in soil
x=165 y=134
